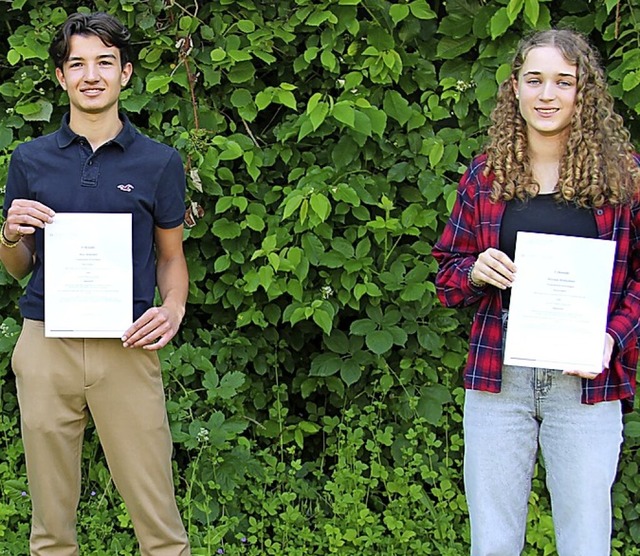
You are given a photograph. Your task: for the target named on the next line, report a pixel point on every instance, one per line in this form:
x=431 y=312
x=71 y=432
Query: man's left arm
x=155 y=328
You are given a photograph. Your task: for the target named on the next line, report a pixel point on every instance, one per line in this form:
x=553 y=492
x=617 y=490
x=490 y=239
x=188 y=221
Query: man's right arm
x=23 y=218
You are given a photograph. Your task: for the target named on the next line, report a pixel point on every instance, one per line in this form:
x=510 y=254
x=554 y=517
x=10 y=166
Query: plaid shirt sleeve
x=624 y=320
x=473 y=227
x=457 y=249
x=619 y=381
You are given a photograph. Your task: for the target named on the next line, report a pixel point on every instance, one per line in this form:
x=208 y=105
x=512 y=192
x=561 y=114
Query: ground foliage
x=314 y=389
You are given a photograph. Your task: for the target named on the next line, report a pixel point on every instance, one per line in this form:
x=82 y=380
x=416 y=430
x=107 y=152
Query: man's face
x=93 y=75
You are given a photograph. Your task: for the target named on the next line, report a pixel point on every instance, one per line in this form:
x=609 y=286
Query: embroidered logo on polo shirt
x=128 y=188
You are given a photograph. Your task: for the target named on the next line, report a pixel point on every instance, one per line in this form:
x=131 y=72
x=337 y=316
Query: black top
x=542 y=214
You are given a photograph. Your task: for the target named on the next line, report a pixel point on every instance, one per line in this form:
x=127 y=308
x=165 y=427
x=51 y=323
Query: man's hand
x=154 y=329
x=24 y=216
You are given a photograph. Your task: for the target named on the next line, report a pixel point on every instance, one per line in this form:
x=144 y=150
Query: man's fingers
x=151 y=331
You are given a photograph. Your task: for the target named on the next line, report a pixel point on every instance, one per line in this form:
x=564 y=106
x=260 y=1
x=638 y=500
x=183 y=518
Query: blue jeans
x=580 y=445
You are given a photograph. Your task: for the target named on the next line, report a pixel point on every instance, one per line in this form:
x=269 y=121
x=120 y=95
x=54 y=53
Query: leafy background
x=314 y=389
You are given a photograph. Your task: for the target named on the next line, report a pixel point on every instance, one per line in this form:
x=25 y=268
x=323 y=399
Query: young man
x=97 y=162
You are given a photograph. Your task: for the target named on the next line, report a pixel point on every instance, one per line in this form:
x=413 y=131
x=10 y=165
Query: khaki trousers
x=60 y=381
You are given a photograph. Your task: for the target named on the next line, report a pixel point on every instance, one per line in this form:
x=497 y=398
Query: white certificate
x=88 y=275
x=559 y=302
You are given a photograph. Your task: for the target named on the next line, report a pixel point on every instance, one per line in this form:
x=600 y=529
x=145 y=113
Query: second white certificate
x=88 y=275
x=559 y=302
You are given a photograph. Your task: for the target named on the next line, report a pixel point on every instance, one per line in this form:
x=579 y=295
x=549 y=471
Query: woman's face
x=546 y=88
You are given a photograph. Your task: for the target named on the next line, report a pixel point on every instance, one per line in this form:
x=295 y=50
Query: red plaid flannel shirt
x=474 y=226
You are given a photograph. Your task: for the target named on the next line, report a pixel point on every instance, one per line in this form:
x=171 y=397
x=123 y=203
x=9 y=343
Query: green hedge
x=314 y=389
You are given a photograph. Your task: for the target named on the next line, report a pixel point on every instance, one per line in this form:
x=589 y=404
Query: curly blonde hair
x=597 y=166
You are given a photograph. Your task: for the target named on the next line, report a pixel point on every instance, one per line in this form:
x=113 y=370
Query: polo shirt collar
x=126 y=136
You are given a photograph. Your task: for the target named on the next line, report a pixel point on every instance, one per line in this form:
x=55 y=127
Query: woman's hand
x=493 y=267
x=609 y=342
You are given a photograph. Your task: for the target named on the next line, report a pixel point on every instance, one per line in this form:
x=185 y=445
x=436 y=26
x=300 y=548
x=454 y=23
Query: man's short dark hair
x=105 y=26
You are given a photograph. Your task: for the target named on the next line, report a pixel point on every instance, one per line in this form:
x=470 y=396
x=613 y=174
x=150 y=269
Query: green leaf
x=324 y=320
x=225 y=229
x=379 y=341
x=362 y=327
x=229 y=384
x=6 y=137
x=222 y=263
x=436 y=153
x=134 y=102
x=292 y=205
x=320 y=205
x=413 y=292
x=13 y=57
x=241 y=97
x=431 y=403
x=287 y=98
x=450 y=48
x=343 y=154
x=345 y=113
x=338 y=342
x=631 y=80
x=318 y=17
x=158 y=83
x=40 y=110
x=499 y=23
x=362 y=124
x=325 y=364
x=350 y=372
x=241 y=72
x=632 y=429
x=318 y=114
x=255 y=222
x=306 y=127
x=232 y=150
x=184 y=22
x=430 y=340
x=329 y=60
x=398 y=12
x=397 y=107
x=514 y=7
x=239 y=55
x=421 y=10
x=217 y=55
x=264 y=98
x=378 y=120
x=246 y=26
x=532 y=11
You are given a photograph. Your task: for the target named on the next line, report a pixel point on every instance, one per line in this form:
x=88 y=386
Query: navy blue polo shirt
x=129 y=174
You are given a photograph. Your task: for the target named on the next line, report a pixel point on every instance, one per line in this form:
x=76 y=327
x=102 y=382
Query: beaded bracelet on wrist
x=475 y=284
x=7 y=242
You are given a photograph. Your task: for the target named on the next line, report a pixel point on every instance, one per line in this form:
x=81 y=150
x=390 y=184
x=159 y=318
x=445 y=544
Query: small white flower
x=203 y=436
x=327 y=292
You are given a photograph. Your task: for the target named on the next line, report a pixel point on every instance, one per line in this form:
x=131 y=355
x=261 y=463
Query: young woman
x=559 y=161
